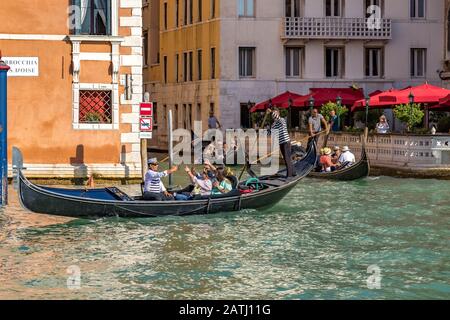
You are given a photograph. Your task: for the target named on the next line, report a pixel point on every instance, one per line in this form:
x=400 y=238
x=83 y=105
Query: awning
x=324 y=95
x=424 y=94
x=277 y=101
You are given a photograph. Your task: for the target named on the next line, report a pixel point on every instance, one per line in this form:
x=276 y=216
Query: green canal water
x=317 y=244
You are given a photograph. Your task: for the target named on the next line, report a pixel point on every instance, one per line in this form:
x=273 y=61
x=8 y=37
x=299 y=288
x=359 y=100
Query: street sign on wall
x=22 y=66
x=146 y=120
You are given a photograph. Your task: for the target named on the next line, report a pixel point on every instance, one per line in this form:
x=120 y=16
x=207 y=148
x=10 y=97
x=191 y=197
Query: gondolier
x=284 y=140
x=154 y=189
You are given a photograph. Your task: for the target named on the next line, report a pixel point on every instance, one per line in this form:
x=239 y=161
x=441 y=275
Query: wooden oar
x=262 y=126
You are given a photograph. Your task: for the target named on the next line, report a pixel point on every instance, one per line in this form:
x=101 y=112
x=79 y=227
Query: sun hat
x=327 y=151
x=337 y=148
x=345 y=149
x=152 y=161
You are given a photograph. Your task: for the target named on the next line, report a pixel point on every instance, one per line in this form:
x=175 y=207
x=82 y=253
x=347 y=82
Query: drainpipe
x=3 y=134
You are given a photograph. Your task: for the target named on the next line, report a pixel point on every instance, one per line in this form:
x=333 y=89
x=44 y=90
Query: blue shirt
x=335 y=124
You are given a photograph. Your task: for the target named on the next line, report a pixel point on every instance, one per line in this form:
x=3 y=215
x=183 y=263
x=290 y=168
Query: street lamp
x=339 y=103
x=411 y=102
x=367 y=108
x=290 y=113
x=311 y=101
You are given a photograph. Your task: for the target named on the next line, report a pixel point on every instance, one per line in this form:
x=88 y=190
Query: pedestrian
x=213 y=122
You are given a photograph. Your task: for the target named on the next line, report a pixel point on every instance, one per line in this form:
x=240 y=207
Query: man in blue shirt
x=334 y=121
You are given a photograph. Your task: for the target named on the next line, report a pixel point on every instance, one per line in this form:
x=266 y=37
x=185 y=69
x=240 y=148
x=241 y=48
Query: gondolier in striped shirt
x=284 y=140
x=154 y=189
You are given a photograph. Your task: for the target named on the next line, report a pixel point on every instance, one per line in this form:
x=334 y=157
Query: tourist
x=382 y=126
x=316 y=123
x=213 y=122
x=284 y=140
x=334 y=121
x=336 y=155
x=347 y=158
x=221 y=185
x=154 y=189
x=325 y=160
x=202 y=187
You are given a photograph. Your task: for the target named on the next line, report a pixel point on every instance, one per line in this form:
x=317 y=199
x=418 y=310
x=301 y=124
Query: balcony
x=335 y=28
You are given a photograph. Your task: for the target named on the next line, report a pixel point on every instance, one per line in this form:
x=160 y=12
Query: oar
x=262 y=126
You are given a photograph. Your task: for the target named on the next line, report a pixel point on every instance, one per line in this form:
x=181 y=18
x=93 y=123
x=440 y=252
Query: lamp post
x=411 y=103
x=290 y=113
x=311 y=101
x=339 y=103
x=3 y=134
x=249 y=107
x=367 y=109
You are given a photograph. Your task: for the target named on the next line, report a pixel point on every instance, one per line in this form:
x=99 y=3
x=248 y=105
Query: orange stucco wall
x=40 y=111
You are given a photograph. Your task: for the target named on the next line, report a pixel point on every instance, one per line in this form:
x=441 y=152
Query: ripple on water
x=316 y=244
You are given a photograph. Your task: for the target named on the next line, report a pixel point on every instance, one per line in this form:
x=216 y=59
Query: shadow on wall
x=80 y=171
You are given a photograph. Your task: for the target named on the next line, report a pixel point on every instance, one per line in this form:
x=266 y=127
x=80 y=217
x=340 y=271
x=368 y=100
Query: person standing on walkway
x=213 y=122
x=284 y=140
x=317 y=123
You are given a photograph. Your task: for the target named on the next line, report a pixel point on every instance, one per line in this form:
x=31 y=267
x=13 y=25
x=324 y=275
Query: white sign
x=22 y=66
x=146 y=135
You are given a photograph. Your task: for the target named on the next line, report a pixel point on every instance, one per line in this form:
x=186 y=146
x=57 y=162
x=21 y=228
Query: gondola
x=112 y=202
x=359 y=170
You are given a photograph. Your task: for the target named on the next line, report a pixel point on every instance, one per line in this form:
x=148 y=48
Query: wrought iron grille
x=95 y=106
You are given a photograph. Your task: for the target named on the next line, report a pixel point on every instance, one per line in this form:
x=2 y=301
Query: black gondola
x=359 y=170
x=112 y=202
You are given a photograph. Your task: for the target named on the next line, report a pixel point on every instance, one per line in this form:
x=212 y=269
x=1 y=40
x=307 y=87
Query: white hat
x=345 y=149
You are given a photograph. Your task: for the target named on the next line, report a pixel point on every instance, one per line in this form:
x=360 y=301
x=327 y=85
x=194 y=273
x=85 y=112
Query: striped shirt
x=153 y=181
x=283 y=134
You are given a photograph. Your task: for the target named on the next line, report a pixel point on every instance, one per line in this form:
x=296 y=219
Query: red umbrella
x=444 y=104
x=280 y=101
x=425 y=94
x=322 y=96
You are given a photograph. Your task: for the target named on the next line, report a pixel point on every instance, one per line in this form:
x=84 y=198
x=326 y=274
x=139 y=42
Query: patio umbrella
x=444 y=105
x=280 y=101
x=424 y=94
x=322 y=96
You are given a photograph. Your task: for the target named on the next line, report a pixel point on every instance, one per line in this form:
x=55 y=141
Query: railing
x=336 y=28
x=407 y=151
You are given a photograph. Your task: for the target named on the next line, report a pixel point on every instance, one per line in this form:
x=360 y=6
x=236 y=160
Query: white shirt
x=347 y=157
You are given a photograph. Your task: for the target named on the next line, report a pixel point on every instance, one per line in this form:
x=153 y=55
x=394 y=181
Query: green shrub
x=411 y=115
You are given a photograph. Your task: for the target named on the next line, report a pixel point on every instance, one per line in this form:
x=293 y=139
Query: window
x=370 y=3
x=212 y=107
x=333 y=8
x=185 y=67
x=177 y=13
x=246 y=8
x=374 y=62
x=177 y=66
x=175 y=118
x=334 y=62
x=292 y=8
x=145 y=48
x=188 y=12
x=95 y=17
x=155 y=114
x=246 y=62
x=200 y=10
x=213 y=63
x=213 y=9
x=191 y=11
x=165 y=15
x=191 y=67
x=164 y=117
x=165 y=69
x=184 y=117
x=189 y=117
x=199 y=64
x=418 y=62
x=95 y=107
x=417 y=9
x=293 y=61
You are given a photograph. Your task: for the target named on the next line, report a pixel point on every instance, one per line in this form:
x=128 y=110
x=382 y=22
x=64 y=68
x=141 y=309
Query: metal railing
x=336 y=28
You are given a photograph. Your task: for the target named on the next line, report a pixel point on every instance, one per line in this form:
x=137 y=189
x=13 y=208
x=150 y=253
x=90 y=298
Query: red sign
x=146 y=109
x=146 y=124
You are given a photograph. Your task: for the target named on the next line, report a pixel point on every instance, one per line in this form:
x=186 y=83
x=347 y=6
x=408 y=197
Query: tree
x=330 y=106
x=409 y=114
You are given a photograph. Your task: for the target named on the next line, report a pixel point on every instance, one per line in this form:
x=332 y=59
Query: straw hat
x=337 y=148
x=327 y=151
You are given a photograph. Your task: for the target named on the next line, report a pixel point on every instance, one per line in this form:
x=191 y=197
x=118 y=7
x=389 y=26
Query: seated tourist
x=347 y=158
x=325 y=160
x=154 y=189
x=202 y=187
x=221 y=184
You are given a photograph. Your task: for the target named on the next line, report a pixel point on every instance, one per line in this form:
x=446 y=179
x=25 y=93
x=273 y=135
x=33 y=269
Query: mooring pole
x=3 y=133
x=170 y=136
